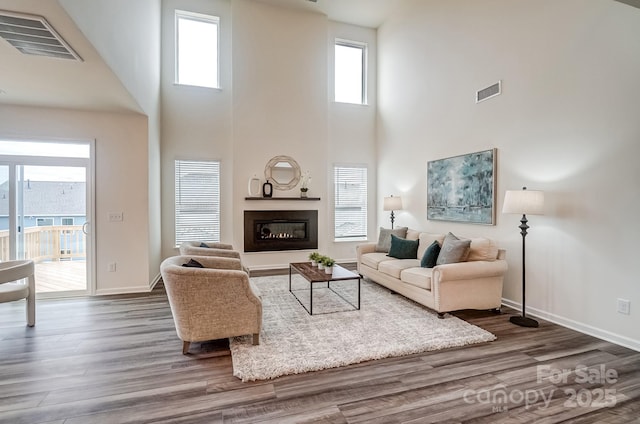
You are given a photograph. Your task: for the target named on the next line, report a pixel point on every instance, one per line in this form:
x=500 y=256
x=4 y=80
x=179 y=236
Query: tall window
x=197 y=201
x=197 y=49
x=350 y=202
x=350 y=72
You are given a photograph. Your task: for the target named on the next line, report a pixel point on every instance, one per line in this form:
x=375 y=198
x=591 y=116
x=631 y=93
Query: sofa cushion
x=483 y=249
x=430 y=256
x=373 y=259
x=426 y=239
x=453 y=250
x=384 y=239
x=418 y=277
x=403 y=248
x=393 y=267
x=412 y=234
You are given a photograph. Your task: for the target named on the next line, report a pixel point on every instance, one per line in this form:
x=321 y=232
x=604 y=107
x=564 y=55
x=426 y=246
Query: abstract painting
x=462 y=188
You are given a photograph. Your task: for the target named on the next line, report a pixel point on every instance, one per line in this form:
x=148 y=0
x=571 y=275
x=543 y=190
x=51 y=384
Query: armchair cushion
x=193 y=264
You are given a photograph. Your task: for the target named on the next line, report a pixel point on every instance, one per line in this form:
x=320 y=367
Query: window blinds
x=197 y=200
x=350 y=202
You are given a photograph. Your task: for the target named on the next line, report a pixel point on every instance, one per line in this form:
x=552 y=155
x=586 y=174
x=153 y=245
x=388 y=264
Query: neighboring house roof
x=48 y=198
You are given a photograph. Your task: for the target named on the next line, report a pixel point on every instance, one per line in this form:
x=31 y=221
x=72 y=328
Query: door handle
x=84 y=227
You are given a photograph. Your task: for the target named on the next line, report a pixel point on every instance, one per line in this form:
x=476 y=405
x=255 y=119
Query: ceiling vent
x=33 y=35
x=487 y=93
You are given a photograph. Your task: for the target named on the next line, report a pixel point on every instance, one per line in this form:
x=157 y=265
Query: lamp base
x=523 y=321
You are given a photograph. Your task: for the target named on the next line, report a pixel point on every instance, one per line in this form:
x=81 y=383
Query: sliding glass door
x=44 y=215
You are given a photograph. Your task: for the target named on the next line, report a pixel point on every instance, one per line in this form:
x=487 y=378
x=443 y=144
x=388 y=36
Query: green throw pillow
x=430 y=255
x=384 y=240
x=453 y=250
x=403 y=248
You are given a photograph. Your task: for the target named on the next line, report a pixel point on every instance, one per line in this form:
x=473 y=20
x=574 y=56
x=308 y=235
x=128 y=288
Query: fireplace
x=280 y=230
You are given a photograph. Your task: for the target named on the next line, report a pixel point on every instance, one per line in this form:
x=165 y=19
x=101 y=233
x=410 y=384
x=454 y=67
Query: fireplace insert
x=280 y=230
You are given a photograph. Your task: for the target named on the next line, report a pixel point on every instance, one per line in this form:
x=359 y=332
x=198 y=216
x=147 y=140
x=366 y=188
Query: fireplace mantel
x=281 y=198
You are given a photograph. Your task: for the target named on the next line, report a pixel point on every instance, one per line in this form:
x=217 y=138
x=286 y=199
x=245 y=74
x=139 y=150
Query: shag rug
x=387 y=325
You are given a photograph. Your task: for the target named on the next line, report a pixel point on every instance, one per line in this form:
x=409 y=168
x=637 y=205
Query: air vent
x=489 y=92
x=33 y=35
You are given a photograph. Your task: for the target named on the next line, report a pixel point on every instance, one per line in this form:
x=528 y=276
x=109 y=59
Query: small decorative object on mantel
x=304 y=184
x=254 y=186
x=267 y=189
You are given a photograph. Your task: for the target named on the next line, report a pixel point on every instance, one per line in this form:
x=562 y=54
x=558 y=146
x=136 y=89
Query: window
x=44 y=222
x=350 y=202
x=66 y=222
x=350 y=72
x=197 y=49
x=197 y=201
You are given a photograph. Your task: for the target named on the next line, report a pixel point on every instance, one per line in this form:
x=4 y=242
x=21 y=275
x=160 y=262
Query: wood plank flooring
x=57 y=276
x=117 y=359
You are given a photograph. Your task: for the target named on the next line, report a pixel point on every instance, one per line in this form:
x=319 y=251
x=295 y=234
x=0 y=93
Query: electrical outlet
x=111 y=267
x=115 y=216
x=624 y=306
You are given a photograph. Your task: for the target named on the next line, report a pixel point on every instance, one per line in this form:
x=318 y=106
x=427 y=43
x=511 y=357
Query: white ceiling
x=367 y=13
x=50 y=82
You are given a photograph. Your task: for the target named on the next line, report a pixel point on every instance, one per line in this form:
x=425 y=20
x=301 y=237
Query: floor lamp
x=392 y=204
x=523 y=202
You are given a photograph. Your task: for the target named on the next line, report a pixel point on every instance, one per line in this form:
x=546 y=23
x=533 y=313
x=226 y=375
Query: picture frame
x=463 y=188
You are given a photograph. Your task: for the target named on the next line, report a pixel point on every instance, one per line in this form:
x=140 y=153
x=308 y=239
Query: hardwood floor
x=117 y=359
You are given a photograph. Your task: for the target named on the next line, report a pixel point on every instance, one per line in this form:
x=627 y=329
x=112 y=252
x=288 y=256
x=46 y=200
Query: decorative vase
x=303 y=194
x=320 y=265
x=267 y=189
x=328 y=270
x=314 y=263
x=254 y=186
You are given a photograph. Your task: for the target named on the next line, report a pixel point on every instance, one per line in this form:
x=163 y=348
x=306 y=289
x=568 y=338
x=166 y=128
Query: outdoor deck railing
x=48 y=243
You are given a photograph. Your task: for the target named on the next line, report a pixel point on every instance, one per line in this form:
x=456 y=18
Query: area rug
x=387 y=325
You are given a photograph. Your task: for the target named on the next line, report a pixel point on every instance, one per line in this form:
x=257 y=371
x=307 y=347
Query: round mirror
x=283 y=172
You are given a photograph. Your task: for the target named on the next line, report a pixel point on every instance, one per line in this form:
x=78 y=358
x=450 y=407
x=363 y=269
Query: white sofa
x=473 y=284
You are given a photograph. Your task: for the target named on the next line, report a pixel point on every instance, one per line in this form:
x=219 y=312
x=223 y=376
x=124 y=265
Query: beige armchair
x=13 y=288
x=192 y=248
x=214 y=302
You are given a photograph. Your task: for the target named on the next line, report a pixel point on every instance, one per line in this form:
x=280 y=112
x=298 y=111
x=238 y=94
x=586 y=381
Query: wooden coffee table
x=314 y=275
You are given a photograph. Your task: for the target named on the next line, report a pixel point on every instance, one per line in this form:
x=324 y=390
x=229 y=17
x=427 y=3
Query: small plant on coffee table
x=328 y=264
x=314 y=257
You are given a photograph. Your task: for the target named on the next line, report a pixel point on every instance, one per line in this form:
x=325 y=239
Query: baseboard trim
x=577 y=326
x=155 y=281
x=123 y=290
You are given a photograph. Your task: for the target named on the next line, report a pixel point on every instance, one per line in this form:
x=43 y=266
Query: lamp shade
x=392 y=203
x=526 y=202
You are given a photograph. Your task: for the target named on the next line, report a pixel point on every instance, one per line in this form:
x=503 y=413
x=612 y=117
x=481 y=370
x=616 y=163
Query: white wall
x=566 y=123
x=352 y=131
x=120 y=186
x=279 y=108
x=196 y=122
x=127 y=36
x=274 y=100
